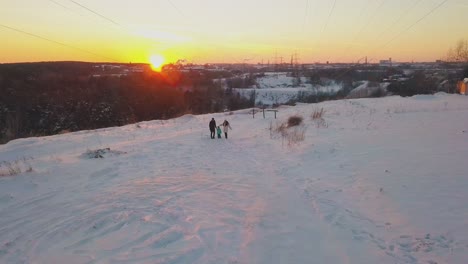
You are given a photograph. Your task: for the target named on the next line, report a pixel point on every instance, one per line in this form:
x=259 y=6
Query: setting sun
x=157 y=62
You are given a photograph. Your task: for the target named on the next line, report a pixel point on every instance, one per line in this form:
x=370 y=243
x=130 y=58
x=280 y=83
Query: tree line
x=39 y=99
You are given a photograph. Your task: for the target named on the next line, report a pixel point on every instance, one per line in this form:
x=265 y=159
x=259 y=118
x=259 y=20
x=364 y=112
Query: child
x=218 y=129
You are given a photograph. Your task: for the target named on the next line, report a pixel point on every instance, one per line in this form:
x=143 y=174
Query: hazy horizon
x=219 y=63
x=236 y=32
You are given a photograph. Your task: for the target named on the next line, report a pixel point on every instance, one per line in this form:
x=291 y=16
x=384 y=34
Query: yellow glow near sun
x=157 y=62
x=160 y=36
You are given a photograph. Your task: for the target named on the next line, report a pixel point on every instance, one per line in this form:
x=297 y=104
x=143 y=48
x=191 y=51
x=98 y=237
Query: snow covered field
x=377 y=181
x=278 y=88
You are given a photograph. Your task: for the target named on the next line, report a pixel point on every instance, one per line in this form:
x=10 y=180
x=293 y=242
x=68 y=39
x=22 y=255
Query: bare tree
x=460 y=52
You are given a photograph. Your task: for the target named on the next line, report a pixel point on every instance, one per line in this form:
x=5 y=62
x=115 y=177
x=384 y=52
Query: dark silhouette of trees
x=464 y=73
x=459 y=53
x=417 y=84
x=48 y=98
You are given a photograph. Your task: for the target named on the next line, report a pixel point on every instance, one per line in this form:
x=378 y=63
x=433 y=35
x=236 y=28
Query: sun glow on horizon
x=323 y=32
x=157 y=61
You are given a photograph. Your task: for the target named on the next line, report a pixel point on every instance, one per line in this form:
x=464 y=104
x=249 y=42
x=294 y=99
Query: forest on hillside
x=39 y=99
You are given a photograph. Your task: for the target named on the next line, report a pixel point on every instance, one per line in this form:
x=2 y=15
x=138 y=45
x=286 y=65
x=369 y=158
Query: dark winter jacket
x=212 y=125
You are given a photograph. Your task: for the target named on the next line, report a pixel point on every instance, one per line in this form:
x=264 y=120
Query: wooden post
x=263 y=112
x=253 y=113
x=275 y=114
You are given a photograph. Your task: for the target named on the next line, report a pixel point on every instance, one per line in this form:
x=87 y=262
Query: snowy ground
x=278 y=88
x=377 y=181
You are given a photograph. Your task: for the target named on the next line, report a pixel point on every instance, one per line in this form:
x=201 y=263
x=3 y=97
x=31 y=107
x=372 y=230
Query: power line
x=365 y=8
x=304 y=22
x=408 y=28
x=371 y=18
x=329 y=15
x=319 y=39
x=365 y=25
x=57 y=42
x=96 y=13
x=306 y=15
x=415 y=23
x=176 y=8
x=76 y=12
x=400 y=17
x=107 y=18
x=411 y=26
x=59 y=4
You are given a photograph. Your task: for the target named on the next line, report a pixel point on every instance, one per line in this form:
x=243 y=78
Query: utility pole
x=281 y=62
x=276 y=61
x=296 y=63
x=296 y=60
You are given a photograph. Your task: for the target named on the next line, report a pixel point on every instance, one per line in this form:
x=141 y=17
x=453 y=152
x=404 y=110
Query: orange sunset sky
x=228 y=31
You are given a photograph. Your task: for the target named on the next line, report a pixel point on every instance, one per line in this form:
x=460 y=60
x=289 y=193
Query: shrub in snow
x=101 y=153
x=296 y=135
x=290 y=134
x=317 y=114
x=294 y=120
x=11 y=168
x=317 y=117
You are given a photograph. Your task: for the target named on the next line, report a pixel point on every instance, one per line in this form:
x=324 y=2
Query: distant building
x=386 y=63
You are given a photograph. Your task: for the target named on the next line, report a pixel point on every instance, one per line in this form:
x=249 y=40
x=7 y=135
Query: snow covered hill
x=279 y=88
x=375 y=181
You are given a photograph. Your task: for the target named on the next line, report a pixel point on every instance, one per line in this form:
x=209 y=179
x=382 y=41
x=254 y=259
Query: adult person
x=212 y=127
x=226 y=127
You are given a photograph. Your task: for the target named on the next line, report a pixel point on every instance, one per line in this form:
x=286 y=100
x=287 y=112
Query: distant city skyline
x=209 y=31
